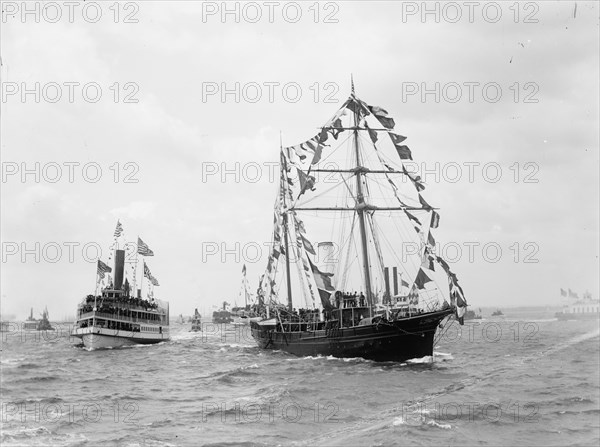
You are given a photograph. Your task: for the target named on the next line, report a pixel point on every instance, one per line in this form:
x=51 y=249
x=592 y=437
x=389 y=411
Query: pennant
x=563 y=292
x=381 y=115
x=308 y=246
x=143 y=248
x=244 y=270
x=421 y=279
x=372 y=134
x=336 y=128
x=118 y=230
x=396 y=139
x=435 y=219
x=431 y=242
x=404 y=283
x=415 y=179
x=306 y=182
x=426 y=205
x=412 y=217
x=404 y=152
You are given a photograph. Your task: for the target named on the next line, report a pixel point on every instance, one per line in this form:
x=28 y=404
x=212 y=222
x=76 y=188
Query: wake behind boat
x=373 y=205
x=116 y=317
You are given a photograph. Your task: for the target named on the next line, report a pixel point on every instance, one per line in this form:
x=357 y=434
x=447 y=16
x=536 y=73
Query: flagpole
x=135 y=269
x=96 y=290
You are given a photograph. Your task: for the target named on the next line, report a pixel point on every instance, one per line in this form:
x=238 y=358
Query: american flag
x=119 y=229
x=148 y=275
x=143 y=248
x=103 y=268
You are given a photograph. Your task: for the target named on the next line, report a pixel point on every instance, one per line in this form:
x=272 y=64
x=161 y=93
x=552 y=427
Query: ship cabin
x=115 y=309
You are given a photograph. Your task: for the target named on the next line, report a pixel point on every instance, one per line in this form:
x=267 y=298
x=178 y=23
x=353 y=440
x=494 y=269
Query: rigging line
x=316 y=196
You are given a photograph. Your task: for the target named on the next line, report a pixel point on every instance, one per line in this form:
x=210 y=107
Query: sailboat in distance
x=351 y=187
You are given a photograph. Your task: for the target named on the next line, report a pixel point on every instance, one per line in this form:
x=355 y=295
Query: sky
x=168 y=117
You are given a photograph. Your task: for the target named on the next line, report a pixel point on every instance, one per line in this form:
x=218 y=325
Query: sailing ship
x=497 y=313
x=585 y=308
x=196 y=322
x=353 y=181
x=117 y=316
x=242 y=316
x=43 y=324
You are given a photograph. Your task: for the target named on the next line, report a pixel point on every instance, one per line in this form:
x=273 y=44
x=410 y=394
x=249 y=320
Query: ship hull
x=100 y=338
x=577 y=316
x=398 y=340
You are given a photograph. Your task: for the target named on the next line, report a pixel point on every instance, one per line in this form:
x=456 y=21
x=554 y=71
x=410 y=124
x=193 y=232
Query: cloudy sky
x=168 y=117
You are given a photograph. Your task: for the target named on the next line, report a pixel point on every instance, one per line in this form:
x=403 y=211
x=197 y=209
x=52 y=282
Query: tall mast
x=360 y=199
x=285 y=226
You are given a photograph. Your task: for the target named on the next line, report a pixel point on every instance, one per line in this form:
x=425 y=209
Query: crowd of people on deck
x=347 y=299
x=139 y=302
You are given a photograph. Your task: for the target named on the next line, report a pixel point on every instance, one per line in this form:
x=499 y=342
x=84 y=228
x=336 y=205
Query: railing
x=122 y=305
x=119 y=318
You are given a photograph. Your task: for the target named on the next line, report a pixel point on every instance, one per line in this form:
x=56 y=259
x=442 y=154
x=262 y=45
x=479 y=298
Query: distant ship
x=244 y=315
x=351 y=183
x=497 y=313
x=43 y=324
x=471 y=315
x=116 y=317
x=196 y=322
x=585 y=308
x=223 y=315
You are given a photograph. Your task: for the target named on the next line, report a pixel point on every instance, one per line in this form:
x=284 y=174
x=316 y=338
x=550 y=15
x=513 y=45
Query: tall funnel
x=386 y=272
x=119 y=268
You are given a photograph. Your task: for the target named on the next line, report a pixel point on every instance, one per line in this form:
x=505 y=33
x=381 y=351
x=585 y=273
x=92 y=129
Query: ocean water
x=511 y=381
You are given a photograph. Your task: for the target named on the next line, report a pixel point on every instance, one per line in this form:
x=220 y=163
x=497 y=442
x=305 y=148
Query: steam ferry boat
x=116 y=317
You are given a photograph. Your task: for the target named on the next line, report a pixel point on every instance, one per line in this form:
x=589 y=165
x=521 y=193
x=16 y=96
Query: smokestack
x=395 y=271
x=119 y=268
x=386 y=272
x=139 y=295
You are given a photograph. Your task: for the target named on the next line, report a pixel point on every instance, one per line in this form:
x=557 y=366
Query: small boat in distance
x=471 y=315
x=222 y=316
x=196 y=322
x=497 y=313
x=43 y=324
x=116 y=317
x=585 y=308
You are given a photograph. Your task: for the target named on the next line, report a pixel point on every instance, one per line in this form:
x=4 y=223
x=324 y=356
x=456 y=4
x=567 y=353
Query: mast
x=285 y=228
x=361 y=214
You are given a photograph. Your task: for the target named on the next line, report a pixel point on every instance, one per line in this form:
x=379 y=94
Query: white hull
x=239 y=321
x=98 y=338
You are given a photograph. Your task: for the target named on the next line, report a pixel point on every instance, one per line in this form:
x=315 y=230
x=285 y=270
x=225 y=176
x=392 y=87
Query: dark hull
x=398 y=340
